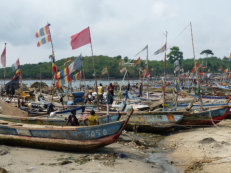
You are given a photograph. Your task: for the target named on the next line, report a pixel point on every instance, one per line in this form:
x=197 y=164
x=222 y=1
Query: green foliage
x=32 y=71
x=207 y=52
x=175 y=54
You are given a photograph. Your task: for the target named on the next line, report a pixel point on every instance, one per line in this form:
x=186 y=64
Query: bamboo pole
x=164 y=82
x=194 y=57
x=96 y=86
x=53 y=54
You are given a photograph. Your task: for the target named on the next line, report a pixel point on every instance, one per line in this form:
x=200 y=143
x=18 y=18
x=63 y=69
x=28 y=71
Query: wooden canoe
x=61 y=137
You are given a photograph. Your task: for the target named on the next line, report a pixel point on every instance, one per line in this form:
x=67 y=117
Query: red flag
x=81 y=39
x=3 y=58
x=137 y=61
x=146 y=72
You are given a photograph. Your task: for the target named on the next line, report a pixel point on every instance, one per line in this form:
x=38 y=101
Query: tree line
x=211 y=62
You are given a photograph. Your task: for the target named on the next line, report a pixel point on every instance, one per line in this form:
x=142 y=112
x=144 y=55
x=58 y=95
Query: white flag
x=162 y=49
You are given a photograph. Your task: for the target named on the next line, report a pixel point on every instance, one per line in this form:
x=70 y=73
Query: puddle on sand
x=160 y=159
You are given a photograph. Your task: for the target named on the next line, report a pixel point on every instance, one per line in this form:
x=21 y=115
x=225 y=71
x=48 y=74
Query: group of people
x=90 y=98
x=92 y=119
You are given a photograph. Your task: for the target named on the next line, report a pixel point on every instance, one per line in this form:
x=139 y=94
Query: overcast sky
x=118 y=27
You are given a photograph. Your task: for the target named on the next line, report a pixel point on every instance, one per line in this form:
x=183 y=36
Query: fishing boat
x=209 y=116
x=58 y=118
x=61 y=137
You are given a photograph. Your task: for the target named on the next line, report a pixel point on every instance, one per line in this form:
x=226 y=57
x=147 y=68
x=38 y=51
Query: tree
x=175 y=54
x=207 y=52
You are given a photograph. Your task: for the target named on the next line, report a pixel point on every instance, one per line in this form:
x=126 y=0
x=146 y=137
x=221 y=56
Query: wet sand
x=202 y=149
x=126 y=155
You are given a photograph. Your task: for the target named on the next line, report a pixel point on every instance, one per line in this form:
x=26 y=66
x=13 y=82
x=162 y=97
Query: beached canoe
x=58 y=121
x=61 y=137
x=210 y=116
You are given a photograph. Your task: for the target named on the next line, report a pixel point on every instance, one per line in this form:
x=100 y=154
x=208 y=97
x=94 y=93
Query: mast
x=96 y=86
x=148 y=73
x=5 y=67
x=194 y=57
x=166 y=34
x=53 y=54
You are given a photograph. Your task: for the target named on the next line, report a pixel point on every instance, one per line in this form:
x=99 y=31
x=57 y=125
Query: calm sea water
x=76 y=84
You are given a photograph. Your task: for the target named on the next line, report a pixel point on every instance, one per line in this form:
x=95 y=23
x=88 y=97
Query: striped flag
x=137 y=61
x=77 y=76
x=43 y=31
x=44 y=40
x=54 y=68
x=162 y=49
x=104 y=71
x=62 y=73
x=63 y=81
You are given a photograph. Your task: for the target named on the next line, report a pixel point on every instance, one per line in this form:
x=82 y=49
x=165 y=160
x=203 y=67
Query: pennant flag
x=162 y=49
x=137 y=61
x=43 y=31
x=123 y=70
x=44 y=40
x=226 y=70
x=54 y=68
x=18 y=68
x=63 y=81
x=80 y=39
x=62 y=73
x=77 y=76
x=196 y=66
x=3 y=58
x=75 y=65
x=146 y=72
x=67 y=61
x=104 y=71
x=146 y=47
x=121 y=63
x=220 y=69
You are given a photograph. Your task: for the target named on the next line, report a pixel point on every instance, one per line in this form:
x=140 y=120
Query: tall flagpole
x=194 y=57
x=53 y=54
x=164 y=84
x=93 y=60
x=148 y=73
x=5 y=69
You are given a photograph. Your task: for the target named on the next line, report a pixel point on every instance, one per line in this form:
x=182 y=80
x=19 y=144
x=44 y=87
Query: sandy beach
x=202 y=149
x=125 y=156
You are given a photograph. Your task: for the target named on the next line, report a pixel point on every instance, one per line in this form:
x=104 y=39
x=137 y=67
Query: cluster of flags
x=44 y=31
x=63 y=77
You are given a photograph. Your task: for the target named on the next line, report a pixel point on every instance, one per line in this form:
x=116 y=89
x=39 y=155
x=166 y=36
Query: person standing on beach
x=100 y=92
x=110 y=94
x=111 y=89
